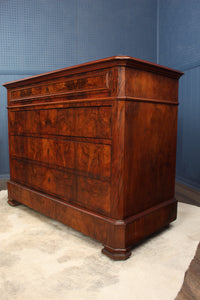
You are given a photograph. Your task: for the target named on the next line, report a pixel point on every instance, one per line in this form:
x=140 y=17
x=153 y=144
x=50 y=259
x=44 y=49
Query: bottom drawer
x=45 y=179
x=89 y=193
x=93 y=194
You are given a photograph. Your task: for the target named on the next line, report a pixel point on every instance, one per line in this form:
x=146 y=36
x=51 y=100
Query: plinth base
x=13 y=203
x=117 y=254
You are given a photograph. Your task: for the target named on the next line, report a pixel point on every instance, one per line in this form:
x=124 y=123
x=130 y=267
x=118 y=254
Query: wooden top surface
x=98 y=64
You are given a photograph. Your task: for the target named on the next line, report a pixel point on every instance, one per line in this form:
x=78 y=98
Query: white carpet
x=43 y=259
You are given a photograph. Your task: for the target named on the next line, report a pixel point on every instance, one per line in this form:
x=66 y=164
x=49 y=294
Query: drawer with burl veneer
x=78 y=122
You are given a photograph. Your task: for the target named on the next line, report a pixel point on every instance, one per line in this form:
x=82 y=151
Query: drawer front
x=41 y=178
x=93 y=194
x=91 y=159
x=86 y=84
x=49 y=151
x=86 y=192
x=78 y=122
x=93 y=122
x=94 y=159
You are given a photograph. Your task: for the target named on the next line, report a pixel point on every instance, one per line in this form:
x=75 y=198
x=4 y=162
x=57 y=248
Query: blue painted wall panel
x=179 y=44
x=37 y=36
x=106 y=28
x=179 y=33
x=48 y=34
x=188 y=144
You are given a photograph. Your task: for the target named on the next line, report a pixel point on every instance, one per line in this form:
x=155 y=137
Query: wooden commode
x=94 y=147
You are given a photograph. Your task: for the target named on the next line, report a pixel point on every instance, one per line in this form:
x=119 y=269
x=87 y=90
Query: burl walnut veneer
x=94 y=147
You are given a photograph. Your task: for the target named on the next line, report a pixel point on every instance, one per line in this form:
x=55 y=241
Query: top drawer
x=85 y=86
x=120 y=77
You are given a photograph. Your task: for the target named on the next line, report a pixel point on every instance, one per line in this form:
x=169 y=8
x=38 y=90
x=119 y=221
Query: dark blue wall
x=41 y=35
x=179 y=47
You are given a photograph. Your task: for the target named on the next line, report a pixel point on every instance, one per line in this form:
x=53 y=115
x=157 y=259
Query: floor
x=3 y=184
x=186 y=194
x=190 y=288
x=53 y=261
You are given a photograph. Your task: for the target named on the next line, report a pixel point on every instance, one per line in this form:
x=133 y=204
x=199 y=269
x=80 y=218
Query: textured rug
x=43 y=259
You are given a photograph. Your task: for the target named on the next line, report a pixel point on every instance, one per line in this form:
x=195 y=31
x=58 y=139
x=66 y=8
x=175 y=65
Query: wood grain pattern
x=94 y=194
x=85 y=122
x=50 y=151
x=44 y=179
x=150 y=167
x=117 y=180
x=94 y=146
x=61 y=86
x=94 y=159
x=90 y=158
x=143 y=84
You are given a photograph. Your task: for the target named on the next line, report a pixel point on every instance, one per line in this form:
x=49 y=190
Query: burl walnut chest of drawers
x=94 y=147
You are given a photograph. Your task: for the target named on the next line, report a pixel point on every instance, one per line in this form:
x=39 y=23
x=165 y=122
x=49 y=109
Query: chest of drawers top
x=118 y=77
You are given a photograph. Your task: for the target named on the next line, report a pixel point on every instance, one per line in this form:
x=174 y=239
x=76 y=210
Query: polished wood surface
x=94 y=146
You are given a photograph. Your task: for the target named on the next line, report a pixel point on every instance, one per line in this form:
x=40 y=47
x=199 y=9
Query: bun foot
x=13 y=202
x=117 y=254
